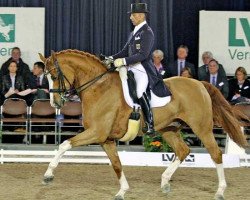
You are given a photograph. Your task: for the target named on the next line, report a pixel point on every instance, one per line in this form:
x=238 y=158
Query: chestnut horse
x=106 y=114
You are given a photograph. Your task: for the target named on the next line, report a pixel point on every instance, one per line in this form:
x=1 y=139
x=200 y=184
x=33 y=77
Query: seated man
x=175 y=68
x=39 y=82
x=136 y=57
x=203 y=70
x=216 y=79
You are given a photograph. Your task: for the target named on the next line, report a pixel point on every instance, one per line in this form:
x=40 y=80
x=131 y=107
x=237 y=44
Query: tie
x=181 y=66
x=206 y=68
x=38 y=81
x=213 y=81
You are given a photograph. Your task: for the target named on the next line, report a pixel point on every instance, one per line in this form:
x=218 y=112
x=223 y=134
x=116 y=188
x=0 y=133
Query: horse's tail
x=227 y=117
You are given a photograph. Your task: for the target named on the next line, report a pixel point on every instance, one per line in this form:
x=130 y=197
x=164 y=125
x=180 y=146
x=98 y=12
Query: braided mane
x=82 y=53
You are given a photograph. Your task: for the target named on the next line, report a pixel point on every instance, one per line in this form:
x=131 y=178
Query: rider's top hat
x=139 y=8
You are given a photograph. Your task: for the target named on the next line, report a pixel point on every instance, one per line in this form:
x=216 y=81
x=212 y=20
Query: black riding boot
x=148 y=115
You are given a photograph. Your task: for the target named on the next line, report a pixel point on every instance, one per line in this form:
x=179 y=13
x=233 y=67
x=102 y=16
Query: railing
x=46 y=156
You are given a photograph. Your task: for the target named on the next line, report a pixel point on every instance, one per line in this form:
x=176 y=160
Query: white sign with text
x=227 y=35
x=23 y=28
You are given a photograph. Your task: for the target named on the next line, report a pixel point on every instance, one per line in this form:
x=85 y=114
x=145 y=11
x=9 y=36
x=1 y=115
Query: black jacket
x=203 y=72
x=172 y=68
x=221 y=84
x=23 y=70
x=33 y=83
x=6 y=83
x=234 y=88
x=139 y=49
x=40 y=94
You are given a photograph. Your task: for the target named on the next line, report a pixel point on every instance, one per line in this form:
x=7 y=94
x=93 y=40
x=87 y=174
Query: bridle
x=60 y=77
x=64 y=92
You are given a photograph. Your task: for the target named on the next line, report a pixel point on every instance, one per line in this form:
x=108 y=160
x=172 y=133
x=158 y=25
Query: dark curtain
x=97 y=26
x=102 y=26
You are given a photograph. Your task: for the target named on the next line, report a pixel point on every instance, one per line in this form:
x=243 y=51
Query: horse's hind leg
x=110 y=148
x=172 y=137
x=211 y=145
x=84 y=138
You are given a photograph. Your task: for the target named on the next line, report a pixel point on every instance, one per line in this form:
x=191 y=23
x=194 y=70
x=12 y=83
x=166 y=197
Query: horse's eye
x=53 y=78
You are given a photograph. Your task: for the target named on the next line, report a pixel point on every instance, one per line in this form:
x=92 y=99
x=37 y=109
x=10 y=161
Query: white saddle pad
x=154 y=102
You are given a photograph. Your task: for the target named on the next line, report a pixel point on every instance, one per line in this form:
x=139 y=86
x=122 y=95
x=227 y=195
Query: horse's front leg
x=84 y=138
x=49 y=176
x=110 y=148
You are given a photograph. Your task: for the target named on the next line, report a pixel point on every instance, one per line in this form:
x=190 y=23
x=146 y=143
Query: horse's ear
x=53 y=56
x=42 y=57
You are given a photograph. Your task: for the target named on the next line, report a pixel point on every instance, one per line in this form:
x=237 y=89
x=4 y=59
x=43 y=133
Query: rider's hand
x=108 y=61
x=119 y=62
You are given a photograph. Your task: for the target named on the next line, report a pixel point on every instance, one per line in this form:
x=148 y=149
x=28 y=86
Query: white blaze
x=51 y=87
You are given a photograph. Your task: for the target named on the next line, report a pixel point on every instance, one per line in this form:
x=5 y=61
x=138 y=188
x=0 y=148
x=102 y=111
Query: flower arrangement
x=157 y=144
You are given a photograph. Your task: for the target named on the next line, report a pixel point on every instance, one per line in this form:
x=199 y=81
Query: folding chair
x=14 y=112
x=42 y=114
x=72 y=111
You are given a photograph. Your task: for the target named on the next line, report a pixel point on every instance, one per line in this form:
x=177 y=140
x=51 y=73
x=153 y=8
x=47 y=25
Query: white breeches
x=141 y=78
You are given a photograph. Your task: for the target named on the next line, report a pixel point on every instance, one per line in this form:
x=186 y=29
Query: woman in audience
x=186 y=72
x=158 y=56
x=12 y=83
x=239 y=87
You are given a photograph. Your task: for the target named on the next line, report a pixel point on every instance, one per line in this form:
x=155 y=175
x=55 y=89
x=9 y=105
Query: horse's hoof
x=219 y=197
x=119 y=197
x=47 y=180
x=166 y=188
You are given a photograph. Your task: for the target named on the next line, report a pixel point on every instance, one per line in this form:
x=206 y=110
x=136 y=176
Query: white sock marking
x=166 y=176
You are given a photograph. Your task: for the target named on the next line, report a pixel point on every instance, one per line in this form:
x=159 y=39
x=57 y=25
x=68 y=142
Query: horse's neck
x=86 y=71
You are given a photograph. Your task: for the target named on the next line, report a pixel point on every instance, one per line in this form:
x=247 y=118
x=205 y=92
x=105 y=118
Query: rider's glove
x=119 y=62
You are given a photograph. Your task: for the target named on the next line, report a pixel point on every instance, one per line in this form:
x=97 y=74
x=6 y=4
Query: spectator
x=216 y=78
x=158 y=56
x=203 y=70
x=23 y=68
x=176 y=67
x=239 y=87
x=39 y=82
x=12 y=83
x=186 y=72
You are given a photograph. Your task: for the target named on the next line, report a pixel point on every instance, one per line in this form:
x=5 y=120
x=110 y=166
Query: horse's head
x=60 y=78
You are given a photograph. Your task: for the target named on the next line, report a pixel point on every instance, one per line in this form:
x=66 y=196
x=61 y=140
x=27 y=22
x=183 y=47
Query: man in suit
x=176 y=67
x=203 y=70
x=39 y=82
x=217 y=79
x=136 y=57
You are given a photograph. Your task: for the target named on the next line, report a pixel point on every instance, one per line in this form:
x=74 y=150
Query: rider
x=136 y=56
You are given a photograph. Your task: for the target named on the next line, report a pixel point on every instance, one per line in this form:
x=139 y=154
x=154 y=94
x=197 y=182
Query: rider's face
x=137 y=18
